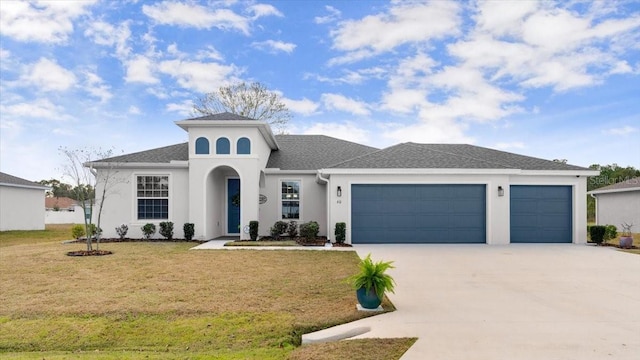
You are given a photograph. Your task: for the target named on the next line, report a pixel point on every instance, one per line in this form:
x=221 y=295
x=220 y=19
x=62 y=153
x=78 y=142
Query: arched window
x=244 y=146
x=202 y=146
x=223 y=146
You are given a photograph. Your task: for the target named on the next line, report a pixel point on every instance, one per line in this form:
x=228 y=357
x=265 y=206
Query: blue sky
x=545 y=79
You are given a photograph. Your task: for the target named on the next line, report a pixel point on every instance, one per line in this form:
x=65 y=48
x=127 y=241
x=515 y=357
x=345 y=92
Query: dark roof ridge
x=363 y=155
x=464 y=156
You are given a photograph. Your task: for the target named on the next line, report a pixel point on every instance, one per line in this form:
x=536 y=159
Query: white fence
x=64 y=217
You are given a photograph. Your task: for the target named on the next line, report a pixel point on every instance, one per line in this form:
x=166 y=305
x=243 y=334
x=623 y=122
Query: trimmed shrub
x=279 y=228
x=253 y=230
x=77 y=231
x=341 y=231
x=94 y=230
x=292 y=229
x=122 y=231
x=597 y=233
x=610 y=232
x=309 y=230
x=148 y=230
x=189 y=230
x=166 y=230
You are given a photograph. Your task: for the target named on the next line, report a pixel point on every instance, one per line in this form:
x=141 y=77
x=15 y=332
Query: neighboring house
x=21 y=204
x=60 y=204
x=426 y=193
x=618 y=203
x=63 y=210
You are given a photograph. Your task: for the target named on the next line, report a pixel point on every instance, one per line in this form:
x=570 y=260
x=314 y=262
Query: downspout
x=595 y=198
x=325 y=181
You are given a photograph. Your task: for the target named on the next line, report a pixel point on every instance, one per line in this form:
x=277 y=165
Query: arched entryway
x=222 y=202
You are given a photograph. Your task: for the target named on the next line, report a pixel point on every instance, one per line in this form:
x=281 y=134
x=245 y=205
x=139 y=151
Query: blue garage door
x=541 y=214
x=390 y=213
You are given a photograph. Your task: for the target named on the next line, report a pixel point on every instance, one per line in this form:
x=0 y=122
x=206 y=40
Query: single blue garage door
x=403 y=213
x=541 y=214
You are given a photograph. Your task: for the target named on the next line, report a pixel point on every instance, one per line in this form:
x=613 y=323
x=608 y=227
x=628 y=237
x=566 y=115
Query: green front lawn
x=159 y=300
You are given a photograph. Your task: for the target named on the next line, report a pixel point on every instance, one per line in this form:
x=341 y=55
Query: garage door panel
x=418 y=213
x=541 y=214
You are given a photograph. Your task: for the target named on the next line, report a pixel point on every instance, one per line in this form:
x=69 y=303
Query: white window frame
x=300 y=200
x=136 y=198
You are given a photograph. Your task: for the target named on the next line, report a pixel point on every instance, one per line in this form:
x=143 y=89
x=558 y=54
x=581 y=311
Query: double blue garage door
x=416 y=213
x=445 y=213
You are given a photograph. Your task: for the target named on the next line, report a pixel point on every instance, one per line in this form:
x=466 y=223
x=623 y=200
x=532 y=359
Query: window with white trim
x=290 y=191
x=153 y=197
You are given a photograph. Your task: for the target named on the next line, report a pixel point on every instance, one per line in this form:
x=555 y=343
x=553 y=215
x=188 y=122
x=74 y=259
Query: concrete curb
x=333 y=334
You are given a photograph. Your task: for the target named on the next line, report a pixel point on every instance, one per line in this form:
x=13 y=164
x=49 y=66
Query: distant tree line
x=609 y=175
x=60 y=189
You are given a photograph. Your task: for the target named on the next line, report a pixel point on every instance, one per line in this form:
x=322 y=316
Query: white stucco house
x=618 y=203
x=426 y=193
x=21 y=204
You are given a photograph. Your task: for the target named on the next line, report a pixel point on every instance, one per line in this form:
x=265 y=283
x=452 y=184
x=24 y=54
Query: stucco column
x=250 y=190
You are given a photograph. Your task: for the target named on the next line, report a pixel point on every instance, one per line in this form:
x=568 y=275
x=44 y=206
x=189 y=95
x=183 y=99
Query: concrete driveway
x=509 y=302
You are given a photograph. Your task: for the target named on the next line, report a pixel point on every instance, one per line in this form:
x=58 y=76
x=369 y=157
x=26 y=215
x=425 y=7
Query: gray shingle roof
x=629 y=184
x=449 y=156
x=165 y=154
x=222 y=116
x=313 y=152
x=14 y=180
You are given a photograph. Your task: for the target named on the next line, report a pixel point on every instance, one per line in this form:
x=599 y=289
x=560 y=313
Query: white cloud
x=198 y=76
x=333 y=15
x=96 y=86
x=347 y=131
x=403 y=24
x=37 y=109
x=430 y=131
x=140 y=69
x=43 y=21
x=261 y=10
x=342 y=103
x=623 y=131
x=134 y=110
x=403 y=100
x=304 y=106
x=47 y=75
x=184 y=108
x=103 y=33
x=274 y=46
x=209 y=53
x=197 y=16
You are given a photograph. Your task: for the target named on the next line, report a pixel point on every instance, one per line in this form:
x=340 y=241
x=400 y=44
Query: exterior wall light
x=339 y=192
x=500 y=191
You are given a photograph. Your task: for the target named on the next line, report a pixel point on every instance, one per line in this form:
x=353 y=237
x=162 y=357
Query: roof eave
x=174 y=164
x=598 y=192
x=35 y=187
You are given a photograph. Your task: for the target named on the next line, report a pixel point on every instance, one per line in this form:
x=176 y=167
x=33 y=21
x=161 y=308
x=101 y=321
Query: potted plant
x=372 y=282
x=626 y=238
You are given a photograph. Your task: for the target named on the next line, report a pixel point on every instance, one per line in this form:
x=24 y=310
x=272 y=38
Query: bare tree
x=78 y=168
x=251 y=100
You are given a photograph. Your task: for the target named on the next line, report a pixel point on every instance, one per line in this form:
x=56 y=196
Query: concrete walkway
x=508 y=302
x=219 y=245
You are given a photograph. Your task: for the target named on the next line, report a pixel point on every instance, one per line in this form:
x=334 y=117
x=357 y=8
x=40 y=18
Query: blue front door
x=233 y=206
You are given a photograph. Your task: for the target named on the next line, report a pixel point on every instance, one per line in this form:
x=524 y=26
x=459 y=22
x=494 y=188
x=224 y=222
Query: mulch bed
x=614 y=245
x=319 y=241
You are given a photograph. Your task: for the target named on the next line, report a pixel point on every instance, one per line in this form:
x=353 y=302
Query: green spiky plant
x=372 y=275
